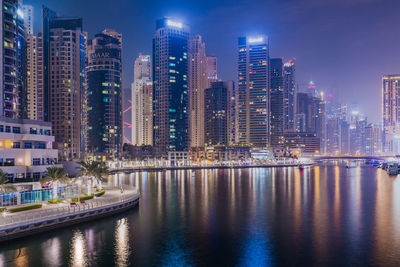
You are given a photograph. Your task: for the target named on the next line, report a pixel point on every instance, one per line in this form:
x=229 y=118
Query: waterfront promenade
x=129 y=169
x=51 y=216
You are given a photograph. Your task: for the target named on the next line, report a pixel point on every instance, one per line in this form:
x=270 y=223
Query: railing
x=37 y=216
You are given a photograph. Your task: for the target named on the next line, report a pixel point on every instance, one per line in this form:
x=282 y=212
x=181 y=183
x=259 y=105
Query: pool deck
x=52 y=216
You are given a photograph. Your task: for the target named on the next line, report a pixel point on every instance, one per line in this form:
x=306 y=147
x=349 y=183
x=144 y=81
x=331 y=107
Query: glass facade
x=39 y=195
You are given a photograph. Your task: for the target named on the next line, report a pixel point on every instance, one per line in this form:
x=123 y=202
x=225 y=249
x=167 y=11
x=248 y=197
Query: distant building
x=138 y=153
x=289 y=78
x=170 y=86
x=61 y=80
x=104 y=98
x=254 y=95
x=277 y=101
x=26 y=149
x=198 y=82
x=373 y=142
x=300 y=123
x=344 y=137
x=212 y=68
x=332 y=136
x=391 y=113
x=142 y=102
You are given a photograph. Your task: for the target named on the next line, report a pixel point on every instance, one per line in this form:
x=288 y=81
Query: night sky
x=345 y=46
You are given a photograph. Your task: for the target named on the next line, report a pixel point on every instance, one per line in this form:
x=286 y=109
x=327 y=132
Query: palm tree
x=55 y=174
x=4 y=186
x=93 y=171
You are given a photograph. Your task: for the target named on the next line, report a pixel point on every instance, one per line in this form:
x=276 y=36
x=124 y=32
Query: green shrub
x=101 y=193
x=3 y=209
x=54 y=201
x=82 y=198
x=31 y=207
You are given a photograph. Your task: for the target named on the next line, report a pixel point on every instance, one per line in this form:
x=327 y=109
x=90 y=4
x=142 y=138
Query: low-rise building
x=26 y=148
x=304 y=143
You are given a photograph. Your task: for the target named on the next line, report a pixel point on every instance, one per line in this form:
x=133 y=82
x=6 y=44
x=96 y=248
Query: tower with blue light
x=170 y=86
x=254 y=95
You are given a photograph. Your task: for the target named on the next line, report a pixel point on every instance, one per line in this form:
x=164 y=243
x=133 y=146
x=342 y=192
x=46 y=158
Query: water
x=326 y=215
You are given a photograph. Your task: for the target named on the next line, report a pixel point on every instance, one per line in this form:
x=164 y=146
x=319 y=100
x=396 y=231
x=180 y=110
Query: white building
x=142 y=102
x=26 y=148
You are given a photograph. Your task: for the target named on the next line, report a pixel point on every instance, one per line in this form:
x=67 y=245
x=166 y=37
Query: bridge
x=380 y=158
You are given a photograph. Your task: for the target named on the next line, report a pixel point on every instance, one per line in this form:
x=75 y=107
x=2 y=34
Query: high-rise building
x=212 y=68
x=253 y=79
x=198 y=82
x=28 y=18
x=391 y=113
x=332 y=136
x=170 y=86
x=289 y=78
x=13 y=64
x=373 y=144
x=276 y=107
x=220 y=114
x=61 y=79
x=142 y=102
x=344 y=137
x=216 y=114
x=32 y=77
x=31 y=61
x=104 y=98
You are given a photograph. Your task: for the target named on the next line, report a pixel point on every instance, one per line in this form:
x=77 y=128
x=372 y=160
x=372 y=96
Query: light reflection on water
x=325 y=215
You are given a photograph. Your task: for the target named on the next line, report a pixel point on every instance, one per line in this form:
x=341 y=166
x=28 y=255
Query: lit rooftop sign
x=175 y=24
x=256 y=39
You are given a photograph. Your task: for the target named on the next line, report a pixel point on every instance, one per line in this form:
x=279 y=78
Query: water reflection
x=122 y=243
x=325 y=215
x=78 y=255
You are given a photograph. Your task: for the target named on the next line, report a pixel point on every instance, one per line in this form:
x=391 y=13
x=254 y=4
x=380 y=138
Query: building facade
x=142 y=102
x=212 y=68
x=104 y=98
x=198 y=82
x=61 y=79
x=289 y=93
x=13 y=65
x=254 y=96
x=26 y=148
x=170 y=87
x=276 y=107
x=391 y=113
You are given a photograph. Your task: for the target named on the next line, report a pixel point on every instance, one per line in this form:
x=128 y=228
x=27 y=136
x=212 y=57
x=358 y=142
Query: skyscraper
x=373 y=140
x=170 y=87
x=61 y=79
x=253 y=79
x=13 y=64
x=220 y=114
x=216 y=114
x=212 y=68
x=289 y=75
x=391 y=113
x=276 y=107
x=142 y=102
x=104 y=97
x=32 y=64
x=198 y=82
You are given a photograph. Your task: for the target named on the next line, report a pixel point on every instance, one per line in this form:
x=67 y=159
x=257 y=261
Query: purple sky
x=345 y=46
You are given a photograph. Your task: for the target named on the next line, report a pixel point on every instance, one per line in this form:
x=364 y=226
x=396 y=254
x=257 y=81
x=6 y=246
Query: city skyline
x=313 y=46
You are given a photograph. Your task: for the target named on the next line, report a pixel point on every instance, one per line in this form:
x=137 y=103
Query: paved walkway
x=111 y=196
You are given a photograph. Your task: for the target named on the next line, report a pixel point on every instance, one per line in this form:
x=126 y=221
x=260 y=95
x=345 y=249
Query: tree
x=93 y=171
x=4 y=186
x=55 y=174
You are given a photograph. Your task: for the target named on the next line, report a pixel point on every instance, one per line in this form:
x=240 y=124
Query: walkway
x=54 y=211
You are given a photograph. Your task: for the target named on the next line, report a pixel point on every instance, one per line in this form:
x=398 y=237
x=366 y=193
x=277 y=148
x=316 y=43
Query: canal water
x=319 y=216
